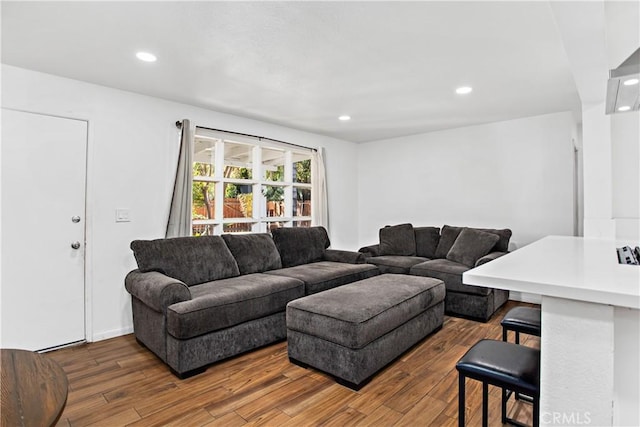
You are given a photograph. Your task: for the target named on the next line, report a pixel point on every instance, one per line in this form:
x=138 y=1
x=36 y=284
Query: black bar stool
x=524 y=320
x=505 y=365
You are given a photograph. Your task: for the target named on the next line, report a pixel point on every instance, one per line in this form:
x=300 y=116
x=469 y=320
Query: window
x=244 y=184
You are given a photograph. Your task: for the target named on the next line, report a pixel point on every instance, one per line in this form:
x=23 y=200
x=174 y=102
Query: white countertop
x=577 y=268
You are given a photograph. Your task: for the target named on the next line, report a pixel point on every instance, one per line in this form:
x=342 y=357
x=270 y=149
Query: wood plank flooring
x=117 y=382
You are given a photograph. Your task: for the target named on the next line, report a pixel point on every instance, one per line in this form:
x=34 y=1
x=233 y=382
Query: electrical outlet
x=122 y=215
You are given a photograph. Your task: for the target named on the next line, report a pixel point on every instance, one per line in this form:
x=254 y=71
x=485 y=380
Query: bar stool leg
x=485 y=404
x=517 y=337
x=504 y=406
x=461 y=407
x=505 y=334
x=536 y=411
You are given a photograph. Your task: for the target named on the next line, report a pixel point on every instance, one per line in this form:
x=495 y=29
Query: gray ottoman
x=355 y=330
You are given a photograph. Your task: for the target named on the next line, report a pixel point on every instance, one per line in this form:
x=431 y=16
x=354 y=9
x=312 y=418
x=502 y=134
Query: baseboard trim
x=105 y=335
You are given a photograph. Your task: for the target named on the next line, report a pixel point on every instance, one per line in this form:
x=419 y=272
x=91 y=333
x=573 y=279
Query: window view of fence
x=242 y=184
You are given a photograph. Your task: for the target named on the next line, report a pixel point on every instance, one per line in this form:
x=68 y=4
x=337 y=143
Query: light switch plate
x=122 y=215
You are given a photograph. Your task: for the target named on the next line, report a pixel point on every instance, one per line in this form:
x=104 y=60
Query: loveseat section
x=444 y=253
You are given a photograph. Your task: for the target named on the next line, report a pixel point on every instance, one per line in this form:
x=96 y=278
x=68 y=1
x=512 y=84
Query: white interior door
x=43 y=229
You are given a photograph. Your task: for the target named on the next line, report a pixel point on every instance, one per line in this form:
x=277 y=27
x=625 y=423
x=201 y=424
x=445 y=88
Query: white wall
x=625 y=170
x=133 y=146
x=516 y=174
x=596 y=148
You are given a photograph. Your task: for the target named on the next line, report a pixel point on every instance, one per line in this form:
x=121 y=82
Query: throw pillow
x=471 y=245
x=448 y=236
x=254 y=253
x=503 y=242
x=427 y=239
x=397 y=240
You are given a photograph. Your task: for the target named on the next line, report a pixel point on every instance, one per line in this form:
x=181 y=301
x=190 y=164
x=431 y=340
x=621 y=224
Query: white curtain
x=319 y=209
x=179 y=223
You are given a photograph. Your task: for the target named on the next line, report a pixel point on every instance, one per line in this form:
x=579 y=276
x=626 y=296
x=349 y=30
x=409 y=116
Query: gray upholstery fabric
x=505 y=236
x=155 y=289
x=192 y=260
x=371 y=250
x=478 y=307
x=395 y=263
x=450 y=273
x=149 y=327
x=358 y=365
x=186 y=355
x=356 y=314
x=228 y=302
x=500 y=296
x=343 y=256
x=448 y=236
x=397 y=240
x=323 y=275
x=254 y=252
x=471 y=245
x=427 y=239
x=489 y=257
x=300 y=245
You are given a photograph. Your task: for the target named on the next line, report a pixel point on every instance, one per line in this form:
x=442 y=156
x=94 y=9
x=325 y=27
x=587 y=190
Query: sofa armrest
x=155 y=289
x=371 y=250
x=348 y=257
x=490 y=257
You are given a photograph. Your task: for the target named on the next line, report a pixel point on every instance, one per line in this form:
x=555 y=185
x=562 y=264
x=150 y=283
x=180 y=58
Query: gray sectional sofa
x=444 y=254
x=198 y=300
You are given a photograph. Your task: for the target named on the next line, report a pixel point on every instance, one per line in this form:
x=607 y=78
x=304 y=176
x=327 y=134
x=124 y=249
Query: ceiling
x=392 y=66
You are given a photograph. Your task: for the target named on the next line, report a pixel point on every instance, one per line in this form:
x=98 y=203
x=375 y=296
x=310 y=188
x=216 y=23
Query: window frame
x=258 y=221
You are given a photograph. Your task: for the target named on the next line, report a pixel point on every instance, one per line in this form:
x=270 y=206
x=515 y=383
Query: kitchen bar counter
x=590 y=346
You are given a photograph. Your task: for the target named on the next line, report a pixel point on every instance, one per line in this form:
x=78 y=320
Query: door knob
x=75 y=218
x=75 y=245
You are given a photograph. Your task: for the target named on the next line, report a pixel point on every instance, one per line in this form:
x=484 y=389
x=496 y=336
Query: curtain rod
x=179 y=126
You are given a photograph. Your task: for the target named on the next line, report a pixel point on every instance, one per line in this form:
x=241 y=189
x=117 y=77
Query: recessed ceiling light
x=624 y=108
x=146 y=57
x=631 y=82
x=344 y=118
x=463 y=90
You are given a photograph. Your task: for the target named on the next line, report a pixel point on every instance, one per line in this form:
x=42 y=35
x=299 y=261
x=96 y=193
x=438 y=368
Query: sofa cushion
x=450 y=273
x=224 y=303
x=354 y=315
x=395 y=263
x=300 y=245
x=397 y=240
x=471 y=245
x=323 y=275
x=191 y=260
x=254 y=253
x=503 y=243
x=427 y=239
x=448 y=236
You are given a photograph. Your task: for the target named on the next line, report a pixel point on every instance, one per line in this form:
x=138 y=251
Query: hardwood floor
x=117 y=382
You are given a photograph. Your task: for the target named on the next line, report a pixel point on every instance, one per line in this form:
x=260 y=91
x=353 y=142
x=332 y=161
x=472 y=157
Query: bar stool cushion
x=504 y=364
x=523 y=319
